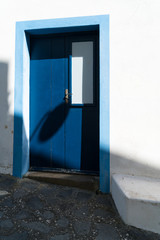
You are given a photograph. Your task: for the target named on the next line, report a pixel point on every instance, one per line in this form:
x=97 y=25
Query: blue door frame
x=21 y=99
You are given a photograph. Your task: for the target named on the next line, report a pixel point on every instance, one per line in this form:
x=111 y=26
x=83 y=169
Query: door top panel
x=40 y=46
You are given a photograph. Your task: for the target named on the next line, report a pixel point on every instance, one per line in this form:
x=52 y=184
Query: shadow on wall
x=119 y=164
x=3 y=94
x=21 y=153
x=6 y=122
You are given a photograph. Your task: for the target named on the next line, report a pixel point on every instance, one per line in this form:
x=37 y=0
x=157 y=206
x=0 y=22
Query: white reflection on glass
x=82 y=72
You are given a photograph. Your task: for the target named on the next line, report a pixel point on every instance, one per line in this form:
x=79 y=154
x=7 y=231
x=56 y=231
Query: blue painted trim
x=18 y=105
x=104 y=108
x=21 y=119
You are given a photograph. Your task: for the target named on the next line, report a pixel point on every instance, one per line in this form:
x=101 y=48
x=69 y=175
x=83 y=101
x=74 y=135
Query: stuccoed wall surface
x=134 y=76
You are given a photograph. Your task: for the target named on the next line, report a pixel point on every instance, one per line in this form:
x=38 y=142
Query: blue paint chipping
x=21 y=118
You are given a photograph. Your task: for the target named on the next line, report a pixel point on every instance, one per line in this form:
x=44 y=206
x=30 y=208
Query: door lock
x=67 y=94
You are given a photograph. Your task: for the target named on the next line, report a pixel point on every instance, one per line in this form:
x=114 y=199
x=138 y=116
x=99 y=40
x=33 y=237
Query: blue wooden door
x=64 y=128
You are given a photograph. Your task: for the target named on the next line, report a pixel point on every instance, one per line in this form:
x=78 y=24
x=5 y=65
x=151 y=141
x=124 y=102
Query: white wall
x=134 y=76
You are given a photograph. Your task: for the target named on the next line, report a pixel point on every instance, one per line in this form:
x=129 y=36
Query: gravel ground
x=34 y=210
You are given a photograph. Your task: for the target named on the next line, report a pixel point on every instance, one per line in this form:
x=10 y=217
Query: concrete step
x=137 y=200
x=88 y=182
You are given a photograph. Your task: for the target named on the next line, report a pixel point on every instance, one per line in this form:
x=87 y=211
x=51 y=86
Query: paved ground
x=33 y=210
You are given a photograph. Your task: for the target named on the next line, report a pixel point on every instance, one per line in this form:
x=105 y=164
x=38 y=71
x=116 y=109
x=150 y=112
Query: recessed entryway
x=25 y=31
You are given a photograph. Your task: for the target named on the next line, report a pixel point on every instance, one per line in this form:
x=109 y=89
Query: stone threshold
x=82 y=181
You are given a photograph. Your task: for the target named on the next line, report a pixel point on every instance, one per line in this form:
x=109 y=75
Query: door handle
x=67 y=94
